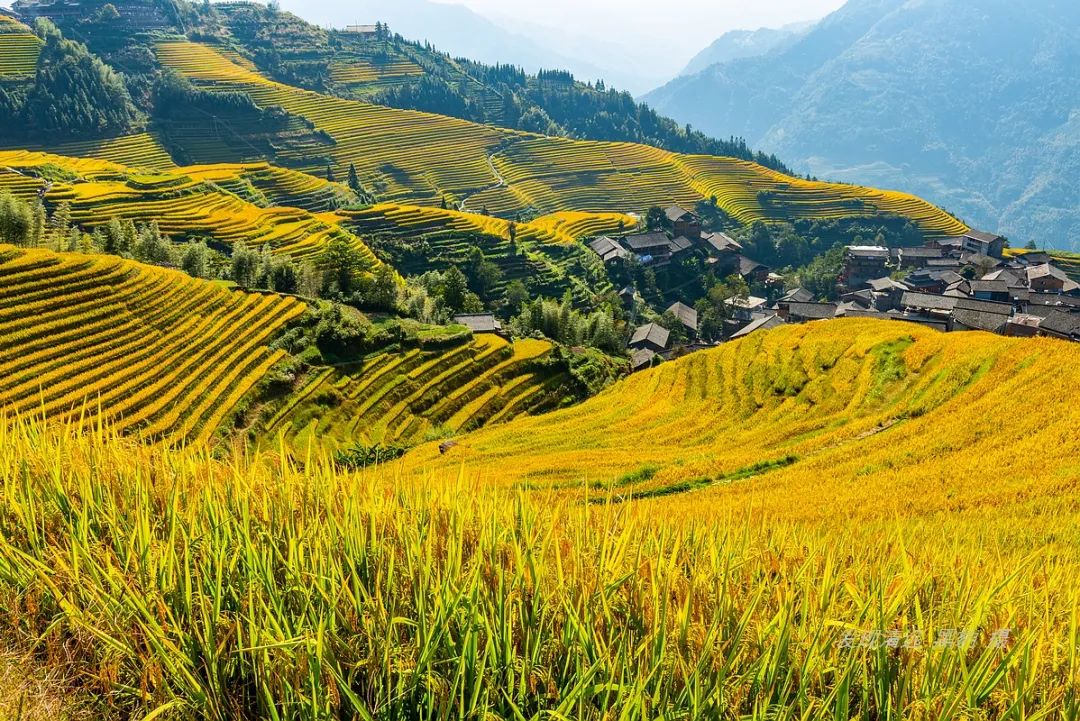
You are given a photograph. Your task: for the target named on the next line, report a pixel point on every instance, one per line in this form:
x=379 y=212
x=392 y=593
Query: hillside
x=404 y=397
x=737 y=44
x=254 y=204
x=851 y=571
x=879 y=408
x=413 y=157
x=982 y=121
x=146 y=350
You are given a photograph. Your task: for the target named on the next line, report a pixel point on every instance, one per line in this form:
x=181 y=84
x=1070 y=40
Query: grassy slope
x=897 y=418
x=149 y=350
x=420 y=158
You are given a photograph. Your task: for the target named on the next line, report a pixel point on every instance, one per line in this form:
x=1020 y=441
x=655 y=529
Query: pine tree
x=354 y=181
x=60 y=222
x=37 y=229
x=330 y=173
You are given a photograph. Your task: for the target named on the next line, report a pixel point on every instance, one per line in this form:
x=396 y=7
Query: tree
x=384 y=288
x=244 y=266
x=354 y=181
x=517 y=295
x=655 y=218
x=454 y=287
x=195 y=260
x=343 y=264
x=37 y=227
x=284 y=276
x=330 y=173
x=16 y=220
x=60 y=222
x=152 y=247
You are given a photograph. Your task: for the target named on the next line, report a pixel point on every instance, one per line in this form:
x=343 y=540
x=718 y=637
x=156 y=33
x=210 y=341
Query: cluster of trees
x=561 y=322
x=792 y=245
x=73 y=95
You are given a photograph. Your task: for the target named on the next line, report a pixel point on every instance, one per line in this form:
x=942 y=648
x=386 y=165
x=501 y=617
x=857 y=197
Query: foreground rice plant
x=173 y=584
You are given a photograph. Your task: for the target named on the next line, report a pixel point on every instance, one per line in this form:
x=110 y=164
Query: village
x=969 y=282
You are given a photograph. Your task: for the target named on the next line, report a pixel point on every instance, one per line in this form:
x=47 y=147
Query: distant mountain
x=449 y=27
x=738 y=44
x=973 y=104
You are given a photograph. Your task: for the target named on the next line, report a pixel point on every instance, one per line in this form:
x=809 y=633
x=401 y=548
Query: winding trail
x=494 y=171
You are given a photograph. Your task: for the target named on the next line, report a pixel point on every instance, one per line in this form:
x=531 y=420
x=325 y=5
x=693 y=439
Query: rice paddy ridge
x=549 y=257
x=420 y=158
x=151 y=351
x=19 y=50
x=230 y=203
x=141 y=151
x=892 y=414
x=400 y=398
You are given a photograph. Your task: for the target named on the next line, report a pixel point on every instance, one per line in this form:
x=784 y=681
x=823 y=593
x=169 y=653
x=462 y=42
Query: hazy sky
x=698 y=21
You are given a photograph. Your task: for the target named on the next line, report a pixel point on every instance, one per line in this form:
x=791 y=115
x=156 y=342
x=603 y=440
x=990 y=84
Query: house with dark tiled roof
x=917 y=257
x=1046 y=278
x=763 y=323
x=479 y=322
x=683 y=222
x=971 y=314
x=746 y=309
x=997 y=290
x=863 y=263
x=975 y=241
x=650 y=336
x=928 y=303
x=804 y=312
x=1060 y=324
x=609 y=249
x=642 y=358
x=685 y=315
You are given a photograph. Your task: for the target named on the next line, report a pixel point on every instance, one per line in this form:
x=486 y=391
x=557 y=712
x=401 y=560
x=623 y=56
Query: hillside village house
x=650 y=337
x=686 y=315
x=683 y=222
x=609 y=249
x=863 y=263
x=983 y=243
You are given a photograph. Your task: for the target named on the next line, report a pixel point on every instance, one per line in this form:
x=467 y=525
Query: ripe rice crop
x=229 y=203
x=418 y=158
x=884 y=409
x=141 y=150
x=174 y=584
x=399 y=398
x=151 y=351
x=19 y=50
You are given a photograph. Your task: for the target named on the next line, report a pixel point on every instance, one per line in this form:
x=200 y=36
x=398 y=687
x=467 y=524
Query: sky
x=693 y=22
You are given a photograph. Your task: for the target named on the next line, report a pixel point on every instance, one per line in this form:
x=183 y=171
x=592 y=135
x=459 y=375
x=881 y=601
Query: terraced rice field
x=564 y=227
x=151 y=351
x=878 y=408
x=142 y=151
x=400 y=398
x=229 y=203
x=19 y=50
x=417 y=158
x=371 y=74
x=549 y=260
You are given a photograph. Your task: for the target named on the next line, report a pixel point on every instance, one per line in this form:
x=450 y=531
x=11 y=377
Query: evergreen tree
x=284 y=276
x=244 y=265
x=354 y=181
x=37 y=228
x=16 y=220
x=195 y=260
x=330 y=173
x=454 y=287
